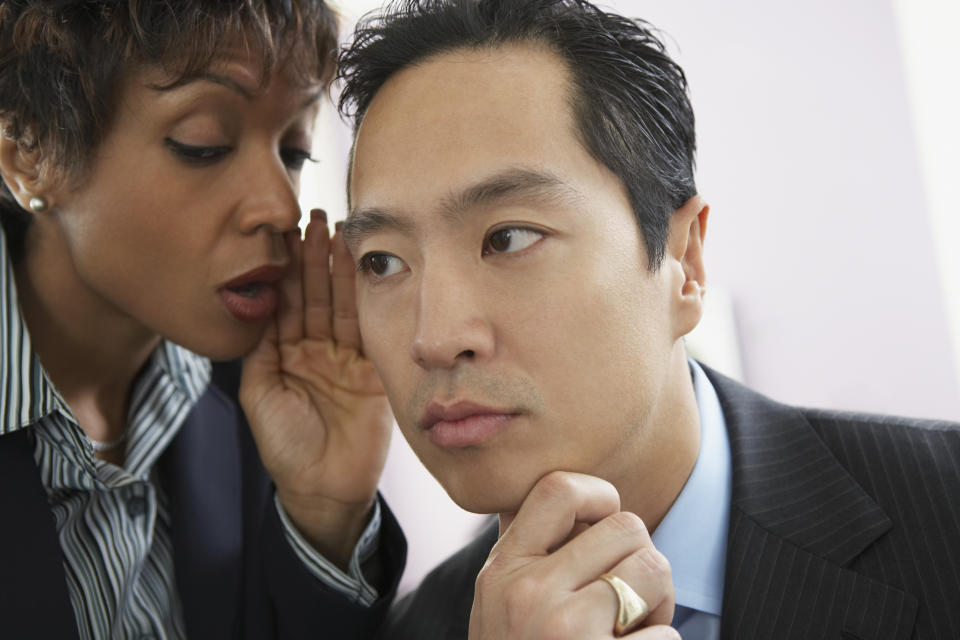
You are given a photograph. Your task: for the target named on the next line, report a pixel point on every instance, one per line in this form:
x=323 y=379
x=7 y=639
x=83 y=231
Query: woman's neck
x=91 y=350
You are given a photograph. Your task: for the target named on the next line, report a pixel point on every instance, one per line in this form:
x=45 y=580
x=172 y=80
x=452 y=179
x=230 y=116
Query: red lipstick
x=253 y=297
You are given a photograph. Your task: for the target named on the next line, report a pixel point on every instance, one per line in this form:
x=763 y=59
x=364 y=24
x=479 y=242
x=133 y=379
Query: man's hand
x=540 y=583
x=316 y=406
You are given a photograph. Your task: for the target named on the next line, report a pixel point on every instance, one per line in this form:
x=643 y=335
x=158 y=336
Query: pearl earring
x=39 y=204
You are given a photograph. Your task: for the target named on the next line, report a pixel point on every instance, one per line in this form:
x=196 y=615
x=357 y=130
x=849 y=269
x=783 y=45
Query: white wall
x=820 y=225
x=821 y=232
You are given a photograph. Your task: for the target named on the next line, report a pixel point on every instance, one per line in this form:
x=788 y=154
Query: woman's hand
x=314 y=402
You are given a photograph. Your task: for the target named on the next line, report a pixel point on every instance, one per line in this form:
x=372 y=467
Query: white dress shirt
x=693 y=534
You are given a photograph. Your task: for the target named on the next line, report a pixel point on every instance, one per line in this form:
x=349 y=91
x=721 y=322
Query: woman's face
x=178 y=225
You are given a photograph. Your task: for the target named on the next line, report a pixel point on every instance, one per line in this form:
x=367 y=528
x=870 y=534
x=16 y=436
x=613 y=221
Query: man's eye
x=510 y=240
x=380 y=265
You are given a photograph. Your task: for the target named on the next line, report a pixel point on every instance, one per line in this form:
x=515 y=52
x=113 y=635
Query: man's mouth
x=464 y=424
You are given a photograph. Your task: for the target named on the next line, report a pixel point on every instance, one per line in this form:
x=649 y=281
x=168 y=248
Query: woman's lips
x=253 y=297
x=254 y=304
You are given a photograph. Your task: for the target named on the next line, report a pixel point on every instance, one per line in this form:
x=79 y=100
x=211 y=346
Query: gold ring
x=633 y=609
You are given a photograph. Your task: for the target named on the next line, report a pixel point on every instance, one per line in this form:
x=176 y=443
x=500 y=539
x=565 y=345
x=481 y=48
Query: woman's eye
x=293 y=158
x=510 y=240
x=195 y=154
x=380 y=265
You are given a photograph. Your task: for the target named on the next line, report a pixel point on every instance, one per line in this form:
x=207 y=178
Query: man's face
x=504 y=294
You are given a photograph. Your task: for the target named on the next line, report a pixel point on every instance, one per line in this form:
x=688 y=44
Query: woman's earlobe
x=24 y=175
x=39 y=204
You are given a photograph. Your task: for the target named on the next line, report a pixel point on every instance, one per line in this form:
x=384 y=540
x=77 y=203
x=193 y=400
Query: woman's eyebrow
x=228 y=82
x=208 y=76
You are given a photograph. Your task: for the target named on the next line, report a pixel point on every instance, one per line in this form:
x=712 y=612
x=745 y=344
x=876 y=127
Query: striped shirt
x=113 y=523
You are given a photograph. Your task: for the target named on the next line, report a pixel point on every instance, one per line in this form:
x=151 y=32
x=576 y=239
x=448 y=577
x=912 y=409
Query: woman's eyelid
x=201 y=154
x=295 y=157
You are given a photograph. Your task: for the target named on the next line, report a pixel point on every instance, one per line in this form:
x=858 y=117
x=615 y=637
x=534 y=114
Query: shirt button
x=137 y=506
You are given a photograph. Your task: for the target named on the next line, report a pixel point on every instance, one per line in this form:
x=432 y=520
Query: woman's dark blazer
x=236 y=574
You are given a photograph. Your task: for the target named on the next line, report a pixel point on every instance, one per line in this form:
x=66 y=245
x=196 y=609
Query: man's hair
x=629 y=99
x=62 y=61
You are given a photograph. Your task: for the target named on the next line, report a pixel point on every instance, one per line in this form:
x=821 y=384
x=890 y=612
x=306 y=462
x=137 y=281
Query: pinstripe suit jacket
x=841 y=526
x=236 y=574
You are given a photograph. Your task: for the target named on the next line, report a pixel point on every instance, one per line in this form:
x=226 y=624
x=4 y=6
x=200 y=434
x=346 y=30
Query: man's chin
x=486 y=497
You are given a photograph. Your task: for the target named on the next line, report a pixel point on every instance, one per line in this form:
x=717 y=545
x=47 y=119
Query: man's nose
x=453 y=320
x=270 y=197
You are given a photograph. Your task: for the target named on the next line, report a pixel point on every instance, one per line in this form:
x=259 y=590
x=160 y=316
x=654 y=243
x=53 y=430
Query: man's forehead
x=486 y=109
x=512 y=88
x=467 y=70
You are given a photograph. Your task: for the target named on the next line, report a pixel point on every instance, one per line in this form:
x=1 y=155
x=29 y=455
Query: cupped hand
x=314 y=403
x=542 y=578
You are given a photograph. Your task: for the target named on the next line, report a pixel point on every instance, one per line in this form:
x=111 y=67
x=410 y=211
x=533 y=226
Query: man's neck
x=665 y=455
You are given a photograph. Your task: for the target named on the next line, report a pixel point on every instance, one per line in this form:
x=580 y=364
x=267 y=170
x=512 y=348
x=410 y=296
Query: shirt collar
x=693 y=534
x=26 y=393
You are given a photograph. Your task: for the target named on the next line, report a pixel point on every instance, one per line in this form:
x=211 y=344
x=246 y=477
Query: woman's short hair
x=61 y=61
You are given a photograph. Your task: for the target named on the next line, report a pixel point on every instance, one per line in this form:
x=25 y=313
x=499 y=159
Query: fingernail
x=338 y=225
x=318 y=215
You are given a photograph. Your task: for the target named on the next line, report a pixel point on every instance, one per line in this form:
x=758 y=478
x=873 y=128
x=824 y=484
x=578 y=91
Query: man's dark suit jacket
x=841 y=526
x=236 y=573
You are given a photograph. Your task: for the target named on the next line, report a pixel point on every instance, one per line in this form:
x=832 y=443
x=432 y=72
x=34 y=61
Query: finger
x=556 y=503
x=290 y=313
x=648 y=573
x=601 y=548
x=316 y=277
x=261 y=368
x=346 y=328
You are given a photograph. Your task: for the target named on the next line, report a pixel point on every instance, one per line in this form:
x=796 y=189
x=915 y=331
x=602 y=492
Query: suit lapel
x=34 y=601
x=797 y=519
x=200 y=474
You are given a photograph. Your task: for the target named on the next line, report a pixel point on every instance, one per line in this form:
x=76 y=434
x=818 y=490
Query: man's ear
x=688 y=228
x=24 y=172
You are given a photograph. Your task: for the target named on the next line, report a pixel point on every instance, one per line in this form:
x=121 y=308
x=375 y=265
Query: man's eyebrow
x=510 y=185
x=361 y=223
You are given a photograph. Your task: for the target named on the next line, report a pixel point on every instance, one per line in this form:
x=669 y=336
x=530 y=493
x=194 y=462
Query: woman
x=150 y=158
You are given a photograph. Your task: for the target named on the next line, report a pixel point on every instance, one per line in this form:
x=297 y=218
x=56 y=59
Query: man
x=529 y=244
